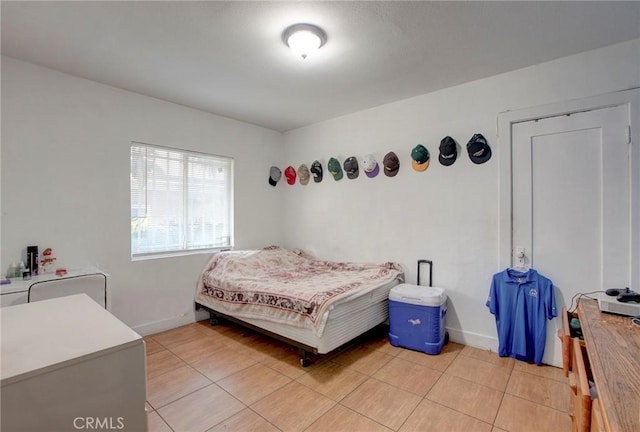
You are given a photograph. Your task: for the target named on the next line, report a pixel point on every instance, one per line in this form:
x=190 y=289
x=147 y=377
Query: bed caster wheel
x=305 y=362
x=214 y=321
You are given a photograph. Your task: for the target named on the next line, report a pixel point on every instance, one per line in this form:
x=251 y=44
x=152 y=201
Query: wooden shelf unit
x=610 y=356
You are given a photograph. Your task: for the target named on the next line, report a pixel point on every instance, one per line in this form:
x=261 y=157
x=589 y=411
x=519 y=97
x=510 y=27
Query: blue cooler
x=417 y=317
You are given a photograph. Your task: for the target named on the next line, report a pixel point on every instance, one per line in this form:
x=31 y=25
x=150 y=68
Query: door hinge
x=628 y=134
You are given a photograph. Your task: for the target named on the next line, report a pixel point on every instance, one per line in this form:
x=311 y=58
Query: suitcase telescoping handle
x=422 y=261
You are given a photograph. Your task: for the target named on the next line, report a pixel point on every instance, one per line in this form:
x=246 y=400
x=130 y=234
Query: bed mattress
x=344 y=321
x=318 y=304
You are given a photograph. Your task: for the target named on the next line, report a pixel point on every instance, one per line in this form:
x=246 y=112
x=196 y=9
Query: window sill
x=174 y=254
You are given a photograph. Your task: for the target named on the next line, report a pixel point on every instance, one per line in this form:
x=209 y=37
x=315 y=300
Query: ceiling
x=228 y=58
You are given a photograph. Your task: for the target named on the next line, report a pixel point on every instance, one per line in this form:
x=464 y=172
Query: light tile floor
x=225 y=378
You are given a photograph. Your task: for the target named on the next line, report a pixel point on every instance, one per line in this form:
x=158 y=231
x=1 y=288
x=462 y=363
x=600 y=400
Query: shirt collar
x=513 y=276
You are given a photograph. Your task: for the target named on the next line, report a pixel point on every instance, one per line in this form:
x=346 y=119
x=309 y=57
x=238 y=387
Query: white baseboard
x=473 y=339
x=455 y=335
x=170 y=323
x=491 y=344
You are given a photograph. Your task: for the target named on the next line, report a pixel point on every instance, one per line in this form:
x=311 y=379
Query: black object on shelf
x=32 y=259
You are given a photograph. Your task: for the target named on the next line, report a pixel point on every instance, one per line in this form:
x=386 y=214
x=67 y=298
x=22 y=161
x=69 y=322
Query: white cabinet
x=67 y=364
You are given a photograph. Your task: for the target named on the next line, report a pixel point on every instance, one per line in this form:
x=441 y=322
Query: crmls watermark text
x=98 y=423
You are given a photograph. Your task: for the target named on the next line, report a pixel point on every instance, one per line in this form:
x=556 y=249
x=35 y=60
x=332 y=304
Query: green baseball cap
x=420 y=158
x=334 y=168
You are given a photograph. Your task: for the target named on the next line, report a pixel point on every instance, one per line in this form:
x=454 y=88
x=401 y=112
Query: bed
x=312 y=304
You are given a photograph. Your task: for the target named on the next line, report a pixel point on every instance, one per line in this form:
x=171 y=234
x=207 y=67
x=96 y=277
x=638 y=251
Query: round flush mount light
x=304 y=39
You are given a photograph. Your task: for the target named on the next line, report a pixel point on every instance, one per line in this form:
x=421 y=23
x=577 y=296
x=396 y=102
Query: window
x=180 y=201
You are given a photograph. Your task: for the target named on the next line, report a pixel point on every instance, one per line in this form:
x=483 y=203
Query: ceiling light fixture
x=304 y=39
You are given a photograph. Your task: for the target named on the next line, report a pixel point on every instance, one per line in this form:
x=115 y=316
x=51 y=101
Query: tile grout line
x=263 y=418
x=191 y=392
x=258 y=400
x=464 y=379
x=428 y=391
x=504 y=392
x=370 y=418
x=164 y=420
x=544 y=406
x=542 y=376
x=182 y=363
x=491 y=363
x=453 y=409
x=183 y=396
x=335 y=403
x=534 y=401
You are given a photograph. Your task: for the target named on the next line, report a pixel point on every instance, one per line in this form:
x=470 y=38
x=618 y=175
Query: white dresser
x=67 y=364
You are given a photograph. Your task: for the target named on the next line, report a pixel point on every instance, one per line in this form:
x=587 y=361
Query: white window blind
x=180 y=201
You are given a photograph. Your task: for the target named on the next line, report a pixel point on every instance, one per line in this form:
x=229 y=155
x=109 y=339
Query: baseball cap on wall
x=370 y=166
x=420 y=158
x=391 y=164
x=316 y=170
x=448 y=151
x=303 y=174
x=351 y=167
x=478 y=149
x=334 y=168
x=290 y=174
x=274 y=175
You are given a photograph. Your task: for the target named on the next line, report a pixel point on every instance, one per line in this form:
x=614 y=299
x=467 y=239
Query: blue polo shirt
x=522 y=302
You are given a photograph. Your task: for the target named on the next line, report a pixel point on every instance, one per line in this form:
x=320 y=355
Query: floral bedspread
x=285 y=286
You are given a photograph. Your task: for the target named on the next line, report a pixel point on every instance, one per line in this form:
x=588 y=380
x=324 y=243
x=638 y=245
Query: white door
x=571 y=204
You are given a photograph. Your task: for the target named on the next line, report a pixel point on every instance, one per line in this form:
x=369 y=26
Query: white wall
x=65 y=183
x=447 y=214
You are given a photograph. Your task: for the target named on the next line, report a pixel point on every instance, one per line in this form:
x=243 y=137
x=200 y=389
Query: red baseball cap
x=290 y=174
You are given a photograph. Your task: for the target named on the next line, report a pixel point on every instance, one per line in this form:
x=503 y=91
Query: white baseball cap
x=370 y=166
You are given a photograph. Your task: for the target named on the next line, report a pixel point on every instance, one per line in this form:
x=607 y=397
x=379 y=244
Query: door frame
x=507 y=119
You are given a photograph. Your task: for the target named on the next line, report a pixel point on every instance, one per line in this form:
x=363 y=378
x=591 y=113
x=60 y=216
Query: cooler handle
x=422 y=261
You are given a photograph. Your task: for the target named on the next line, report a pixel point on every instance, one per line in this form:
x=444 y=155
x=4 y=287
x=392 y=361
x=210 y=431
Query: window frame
x=185 y=154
